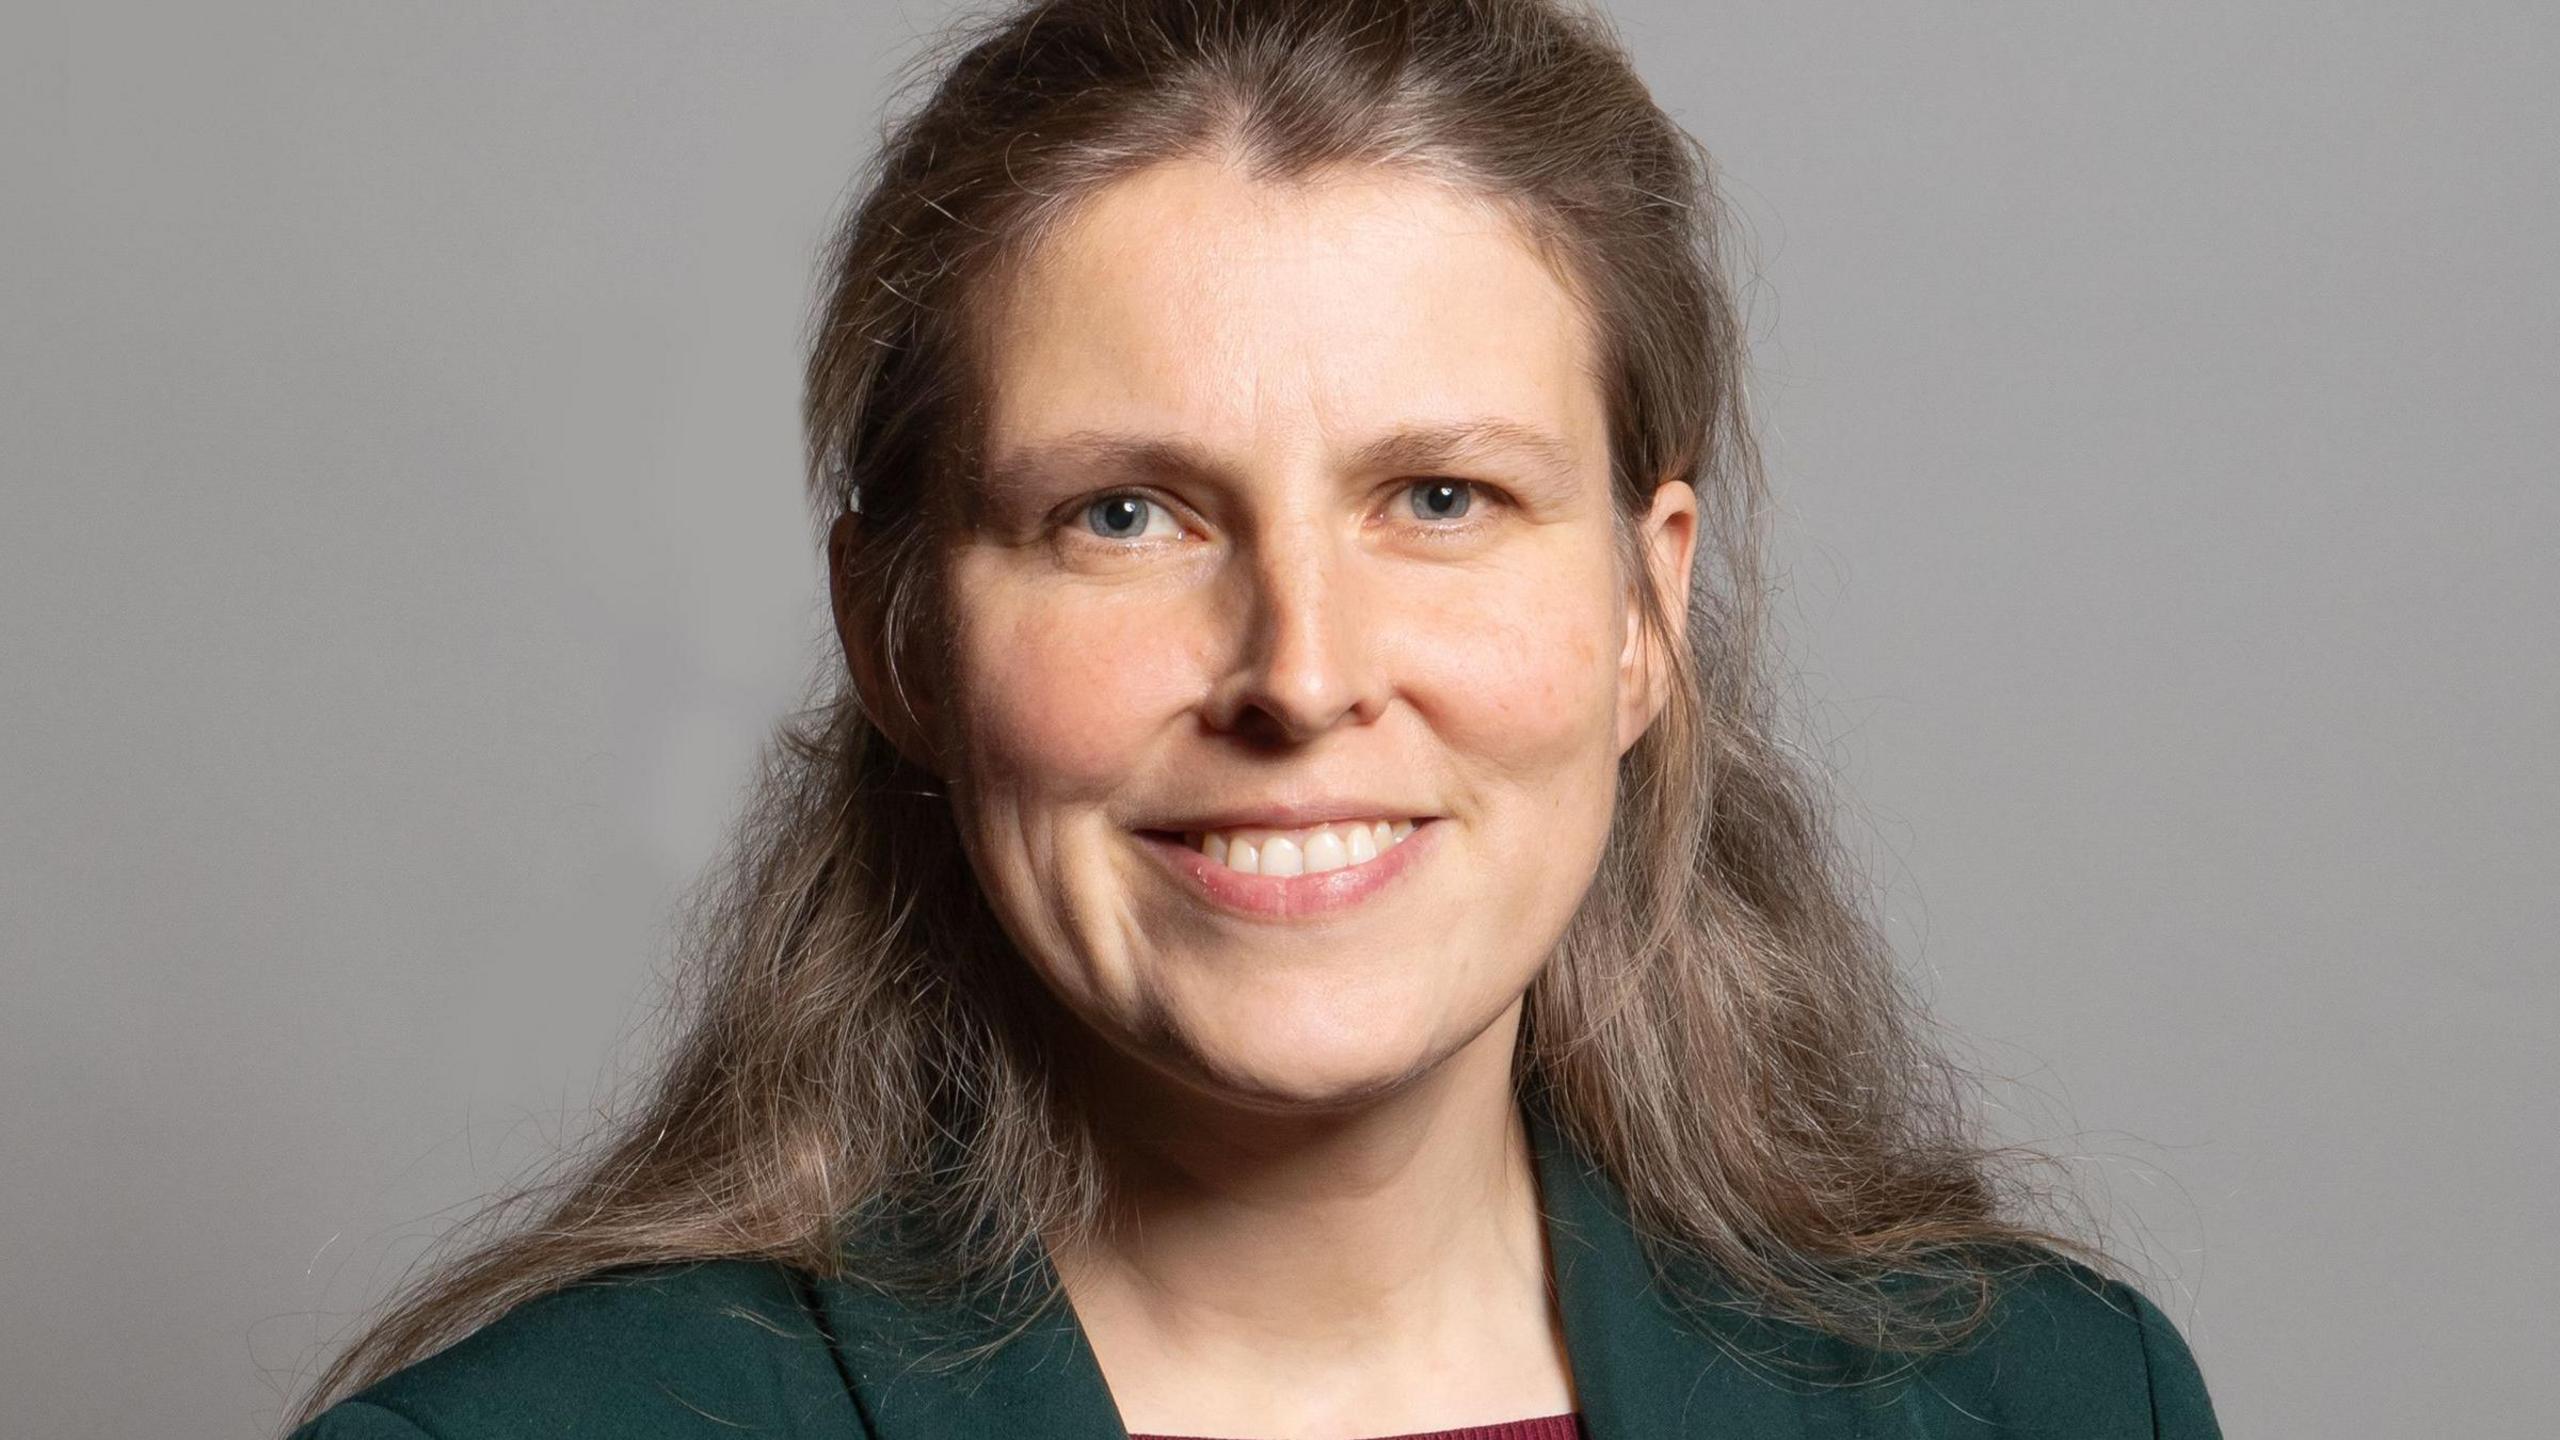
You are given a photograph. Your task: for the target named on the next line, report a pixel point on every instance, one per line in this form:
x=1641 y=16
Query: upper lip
x=1289 y=815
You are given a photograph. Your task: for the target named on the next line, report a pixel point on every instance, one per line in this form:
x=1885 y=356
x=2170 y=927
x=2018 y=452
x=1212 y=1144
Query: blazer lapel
x=1043 y=1383
x=1640 y=1371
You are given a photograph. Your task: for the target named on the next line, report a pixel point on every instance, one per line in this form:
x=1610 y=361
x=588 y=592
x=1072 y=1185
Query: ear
x=907 y=722
x=1668 y=542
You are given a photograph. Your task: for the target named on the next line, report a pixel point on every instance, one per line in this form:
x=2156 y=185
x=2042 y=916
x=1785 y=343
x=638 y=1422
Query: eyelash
x=1478 y=493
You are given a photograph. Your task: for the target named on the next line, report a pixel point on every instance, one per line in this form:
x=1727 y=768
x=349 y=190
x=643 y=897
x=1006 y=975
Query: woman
x=1295 y=921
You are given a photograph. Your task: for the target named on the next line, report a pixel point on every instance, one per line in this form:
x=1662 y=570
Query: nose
x=1305 y=650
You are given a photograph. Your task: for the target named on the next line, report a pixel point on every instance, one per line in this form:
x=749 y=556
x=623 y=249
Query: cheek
x=1518 y=677
x=1059 y=695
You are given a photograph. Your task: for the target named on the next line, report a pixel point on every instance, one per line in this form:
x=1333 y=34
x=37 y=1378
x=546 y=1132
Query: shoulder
x=714 y=1347
x=2068 y=1351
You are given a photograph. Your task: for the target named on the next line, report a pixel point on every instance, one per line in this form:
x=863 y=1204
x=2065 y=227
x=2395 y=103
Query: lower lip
x=1290 y=897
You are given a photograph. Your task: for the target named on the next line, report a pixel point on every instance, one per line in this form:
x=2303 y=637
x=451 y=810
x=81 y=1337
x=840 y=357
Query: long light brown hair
x=1721 y=1027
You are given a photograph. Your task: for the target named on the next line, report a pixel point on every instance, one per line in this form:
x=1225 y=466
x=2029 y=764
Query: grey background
x=402 y=561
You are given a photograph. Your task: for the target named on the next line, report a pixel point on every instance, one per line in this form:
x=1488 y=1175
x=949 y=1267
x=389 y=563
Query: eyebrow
x=1414 y=447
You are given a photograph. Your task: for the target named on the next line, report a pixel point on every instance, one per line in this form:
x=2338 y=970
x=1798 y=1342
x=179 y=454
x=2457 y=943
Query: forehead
x=1191 y=301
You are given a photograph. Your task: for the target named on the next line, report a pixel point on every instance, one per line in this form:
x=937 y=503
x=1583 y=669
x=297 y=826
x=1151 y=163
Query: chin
x=1324 y=1065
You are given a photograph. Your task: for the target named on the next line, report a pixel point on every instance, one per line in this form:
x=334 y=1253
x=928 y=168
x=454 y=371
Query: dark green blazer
x=727 y=1349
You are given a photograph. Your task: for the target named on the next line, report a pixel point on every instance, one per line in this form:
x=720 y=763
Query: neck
x=1274 y=1271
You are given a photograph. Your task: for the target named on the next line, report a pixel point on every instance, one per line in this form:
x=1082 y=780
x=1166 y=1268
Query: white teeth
x=1280 y=856
x=1325 y=851
x=1301 y=852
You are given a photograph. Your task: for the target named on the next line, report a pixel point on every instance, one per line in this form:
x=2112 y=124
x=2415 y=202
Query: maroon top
x=1547 y=1427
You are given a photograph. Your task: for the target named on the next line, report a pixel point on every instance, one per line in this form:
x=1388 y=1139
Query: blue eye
x=1120 y=517
x=1442 y=499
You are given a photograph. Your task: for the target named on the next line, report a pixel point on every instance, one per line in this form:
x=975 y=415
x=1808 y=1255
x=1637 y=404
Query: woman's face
x=1293 y=664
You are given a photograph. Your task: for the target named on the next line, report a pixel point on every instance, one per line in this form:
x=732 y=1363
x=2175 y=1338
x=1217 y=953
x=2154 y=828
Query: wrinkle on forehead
x=1119 y=363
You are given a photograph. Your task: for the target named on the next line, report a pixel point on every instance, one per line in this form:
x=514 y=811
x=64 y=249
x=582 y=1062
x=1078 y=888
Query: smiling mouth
x=1313 y=850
